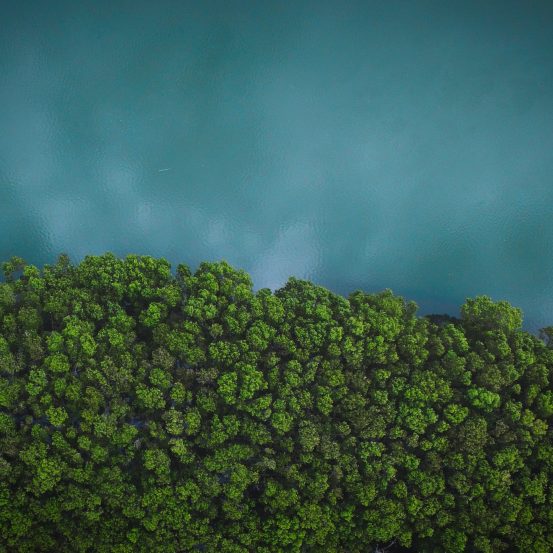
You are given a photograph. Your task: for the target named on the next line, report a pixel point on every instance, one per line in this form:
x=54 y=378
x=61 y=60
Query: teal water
x=404 y=145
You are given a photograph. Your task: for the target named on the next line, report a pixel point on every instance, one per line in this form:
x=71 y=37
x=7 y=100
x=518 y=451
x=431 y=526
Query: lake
x=360 y=145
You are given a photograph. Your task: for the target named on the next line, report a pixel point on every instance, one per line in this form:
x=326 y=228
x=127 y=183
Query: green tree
x=146 y=411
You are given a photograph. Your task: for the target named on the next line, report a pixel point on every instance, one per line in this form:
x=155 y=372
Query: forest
x=151 y=409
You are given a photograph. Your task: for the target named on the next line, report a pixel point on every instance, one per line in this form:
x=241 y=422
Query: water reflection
x=365 y=145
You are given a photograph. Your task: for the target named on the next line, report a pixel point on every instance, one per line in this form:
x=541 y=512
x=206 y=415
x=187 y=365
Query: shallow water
x=361 y=145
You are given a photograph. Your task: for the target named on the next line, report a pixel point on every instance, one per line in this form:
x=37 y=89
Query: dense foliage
x=146 y=411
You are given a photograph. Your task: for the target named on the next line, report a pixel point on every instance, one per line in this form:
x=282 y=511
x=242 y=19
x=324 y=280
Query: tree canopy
x=146 y=411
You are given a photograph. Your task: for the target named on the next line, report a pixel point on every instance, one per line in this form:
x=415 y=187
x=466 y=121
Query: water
x=370 y=145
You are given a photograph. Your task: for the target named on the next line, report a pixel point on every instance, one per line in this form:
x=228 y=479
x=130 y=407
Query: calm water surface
x=403 y=145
